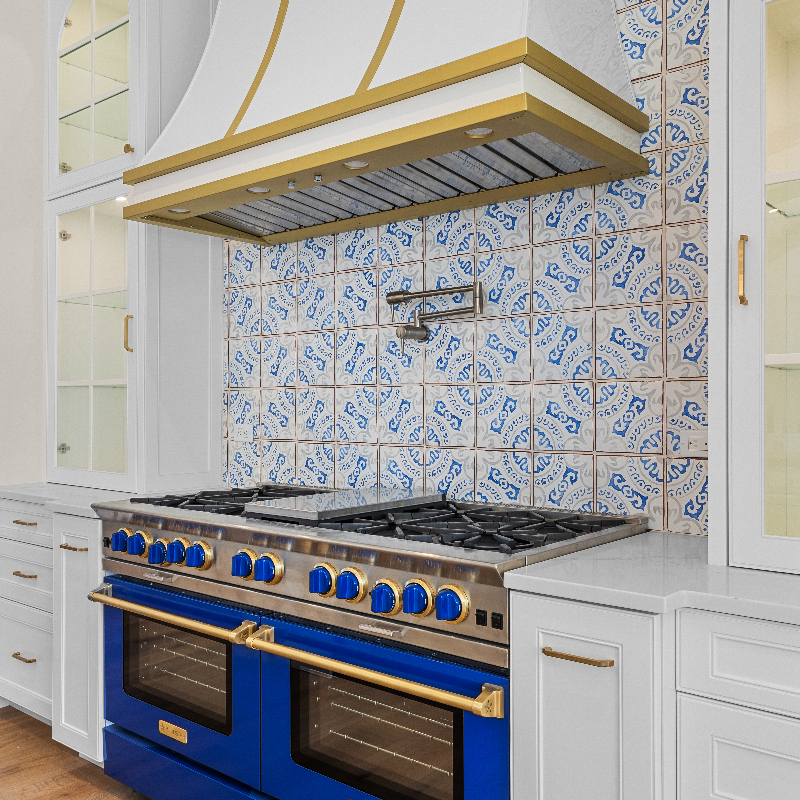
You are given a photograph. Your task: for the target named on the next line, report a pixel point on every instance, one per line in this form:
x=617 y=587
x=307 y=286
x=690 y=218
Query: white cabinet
x=77 y=635
x=585 y=694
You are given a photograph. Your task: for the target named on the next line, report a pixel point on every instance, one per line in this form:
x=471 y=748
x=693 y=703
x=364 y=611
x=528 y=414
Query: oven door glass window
x=385 y=743
x=179 y=671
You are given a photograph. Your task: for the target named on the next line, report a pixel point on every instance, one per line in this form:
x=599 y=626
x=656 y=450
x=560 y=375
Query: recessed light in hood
x=479 y=133
x=356 y=164
x=258 y=189
x=180 y=211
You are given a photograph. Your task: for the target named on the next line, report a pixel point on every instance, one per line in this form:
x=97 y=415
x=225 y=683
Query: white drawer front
x=26 y=574
x=26 y=522
x=736 y=658
x=732 y=753
x=26 y=634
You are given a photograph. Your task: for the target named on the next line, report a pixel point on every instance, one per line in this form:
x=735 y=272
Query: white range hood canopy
x=348 y=113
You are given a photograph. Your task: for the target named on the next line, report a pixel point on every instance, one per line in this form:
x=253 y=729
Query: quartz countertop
x=659 y=572
x=57 y=498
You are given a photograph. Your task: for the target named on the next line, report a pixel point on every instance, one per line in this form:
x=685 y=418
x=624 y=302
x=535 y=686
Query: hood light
x=356 y=164
x=121 y=199
x=318 y=179
x=180 y=211
x=291 y=184
x=479 y=133
x=258 y=189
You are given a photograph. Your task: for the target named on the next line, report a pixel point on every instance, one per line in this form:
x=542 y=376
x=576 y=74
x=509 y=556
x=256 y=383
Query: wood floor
x=34 y=767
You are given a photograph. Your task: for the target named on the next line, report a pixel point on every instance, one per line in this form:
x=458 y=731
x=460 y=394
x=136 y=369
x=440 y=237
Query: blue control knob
x=417 y=598
x=199 y=556
x=322 y=580
x=351 y=585
x=157 y=554
x=139 y=544
x=452 y=604
x=242 y=564
x=119 y=540
x=268 y=568
x=386 y=598
x=176 y=551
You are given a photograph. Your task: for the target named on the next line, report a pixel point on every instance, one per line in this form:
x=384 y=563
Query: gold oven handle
x=128 y=318
x=489 y=703
x=742 y=296
x=592 y=662
x=237 y=636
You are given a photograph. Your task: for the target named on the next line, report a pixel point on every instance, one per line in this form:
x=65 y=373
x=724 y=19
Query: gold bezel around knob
x=333 y=572
x=253 y=556
x=148 y=542
x=430 y=594
x=463 y=597
x=361 y=579
x=277 y=562
x=208 y=552
x=186 y=544
x=398 y=596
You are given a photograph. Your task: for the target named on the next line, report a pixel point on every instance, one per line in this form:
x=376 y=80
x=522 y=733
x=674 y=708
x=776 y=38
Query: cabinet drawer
x=741 y=659
x=730 y=752
x=26 y=522
x=26 y=574
x=28 y=634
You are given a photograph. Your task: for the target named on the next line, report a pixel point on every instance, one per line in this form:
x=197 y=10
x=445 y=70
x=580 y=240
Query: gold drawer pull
x=23 y=575
x=22 y=522
x=742 y=296
x=66 y=546
x=125 y=334
x=592 y=662
x=23 y=659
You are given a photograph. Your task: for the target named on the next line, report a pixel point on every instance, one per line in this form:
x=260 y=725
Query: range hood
x=312 y=117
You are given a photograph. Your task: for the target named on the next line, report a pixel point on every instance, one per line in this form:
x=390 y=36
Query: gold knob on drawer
x=24 y=660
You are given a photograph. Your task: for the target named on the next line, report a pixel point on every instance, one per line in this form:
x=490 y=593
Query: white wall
x=22 y=349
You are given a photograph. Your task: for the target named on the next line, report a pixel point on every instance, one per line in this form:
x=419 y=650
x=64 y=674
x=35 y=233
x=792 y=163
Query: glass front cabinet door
x=764 y=284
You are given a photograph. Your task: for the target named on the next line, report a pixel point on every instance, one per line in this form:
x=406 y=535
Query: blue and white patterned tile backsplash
x=582 y=386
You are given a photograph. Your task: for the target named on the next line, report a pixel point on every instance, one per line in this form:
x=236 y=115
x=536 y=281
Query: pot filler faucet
x=419 y=331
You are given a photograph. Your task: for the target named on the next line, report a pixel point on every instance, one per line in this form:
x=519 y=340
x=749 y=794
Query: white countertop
x=659 y=572
x=57 y=498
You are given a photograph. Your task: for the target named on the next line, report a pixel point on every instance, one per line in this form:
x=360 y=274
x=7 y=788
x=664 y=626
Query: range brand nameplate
x=173 y=731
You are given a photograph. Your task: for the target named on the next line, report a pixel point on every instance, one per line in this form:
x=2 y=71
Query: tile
x=687 y=261
x=243 y=415
x=687 y=32
x=647 y=96
x=449 y=353
x=400 y=412
x=631 y=203
x=357 y=298
x=357 y=249
x=278 y=361
x=629 y=417
x=225 y=257
x=504 y=416
x=356 y=414
x=450 y=416
x=687 y=106
x=278 y=462
x=623 y=4
x=315 y=414
x=503 y=350
x=405 y=278
x=640 y=35
x=506 y=278
x=224 y=464
x=244 y=464
x=628 y=269
x=356 y=356
x=315 y=256
x=315 y=465
x=687 y=340
x=687 y=496
x=278 y=308
x=447 y=272
x=315 y=303
x=244 y=362
x=244 y=312
x=503 y=477
x=402 y=468
x=563 y=346
x=279 y=262
x=503 y=225
x=450 y=234
x=278 y=413
x=629 y=342
x=686 y=192
x=356 y=466
x=400 y=242
x=631 y=485
x=563 y=416
x=315 y=361
x=451 y=472
x=398 y=363
x=561 y=276
x=244 y=265
x=687 y=417
x=225 y=399
x=561 y=215
x=563 y=480
x=225 y=366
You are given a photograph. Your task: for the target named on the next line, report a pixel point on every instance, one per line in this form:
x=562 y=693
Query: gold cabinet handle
x=742 y=296
x=592 y=662
x=66 y=546
x=489 y=703
x=23 y=659
x=128 y=318
x=23 y=575
x=22 y=522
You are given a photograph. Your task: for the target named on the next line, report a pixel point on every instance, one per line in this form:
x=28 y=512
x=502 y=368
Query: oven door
x=185 y=690
x=325 y=734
